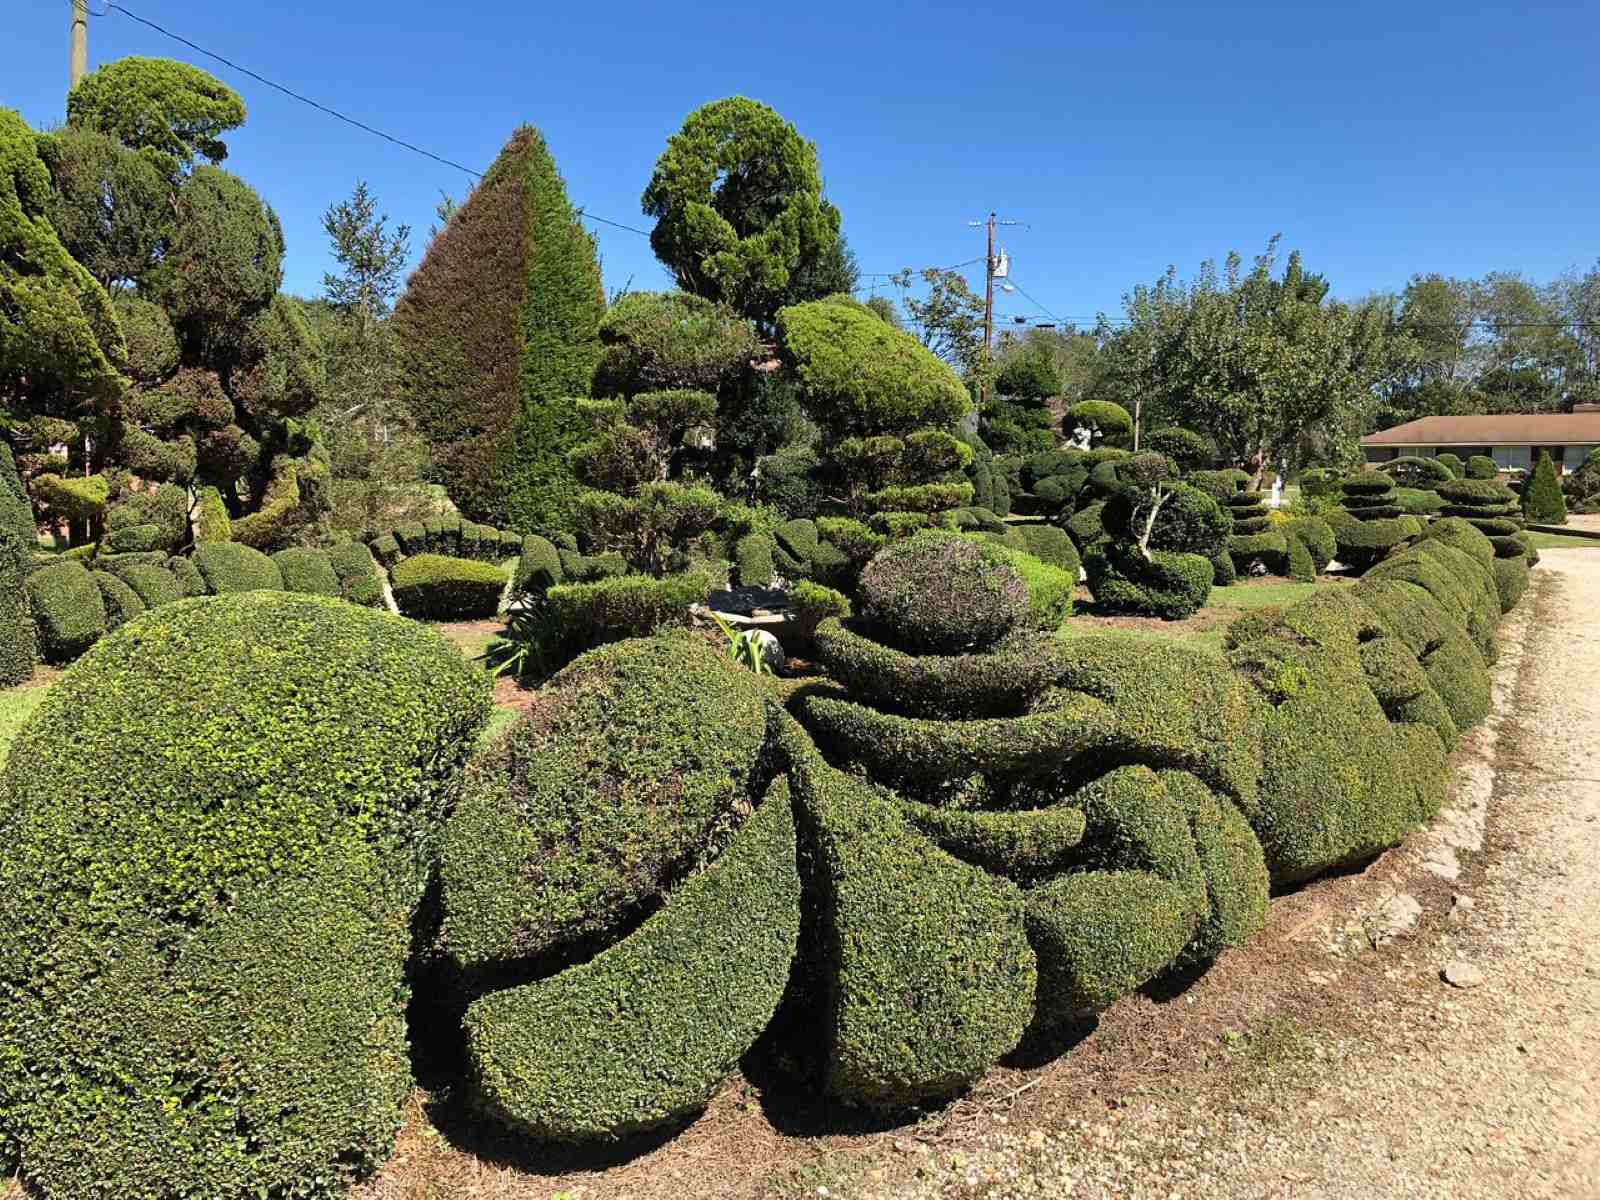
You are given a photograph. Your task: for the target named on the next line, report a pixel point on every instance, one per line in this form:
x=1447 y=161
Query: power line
x=332 y=112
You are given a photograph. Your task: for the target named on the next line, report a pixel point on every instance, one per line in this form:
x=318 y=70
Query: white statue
x=1277 y=491
x=1081 y=437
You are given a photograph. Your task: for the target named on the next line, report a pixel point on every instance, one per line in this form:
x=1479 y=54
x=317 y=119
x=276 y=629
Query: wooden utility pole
x=988 y=292
x=79 y=63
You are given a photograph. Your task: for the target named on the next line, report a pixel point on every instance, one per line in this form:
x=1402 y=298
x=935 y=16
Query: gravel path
x=1487 y=1091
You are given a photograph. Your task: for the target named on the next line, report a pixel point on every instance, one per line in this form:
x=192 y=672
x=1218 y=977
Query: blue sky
x=1380 y=139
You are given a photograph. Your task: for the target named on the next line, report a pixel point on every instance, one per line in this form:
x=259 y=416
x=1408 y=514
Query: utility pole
x=988 y=292
x=80 y=41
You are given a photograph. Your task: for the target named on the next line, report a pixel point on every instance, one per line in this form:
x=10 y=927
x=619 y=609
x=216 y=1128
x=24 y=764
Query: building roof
x=1506 y=429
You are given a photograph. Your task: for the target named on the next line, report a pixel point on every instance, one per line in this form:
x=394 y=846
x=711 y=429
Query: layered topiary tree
x=1163 y=537
x=1542 y=501
x=887 y=409
x=1491 y=508
x=737 y=198
x=497 y=330
x=61 y=347
x=239 y=963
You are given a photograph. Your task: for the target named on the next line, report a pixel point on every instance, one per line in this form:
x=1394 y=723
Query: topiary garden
x=258 y=844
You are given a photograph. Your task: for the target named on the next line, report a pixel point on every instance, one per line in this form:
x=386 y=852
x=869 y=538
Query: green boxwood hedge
x=432 y=587
x=122 y=602
x=229 y=568
x=929 y=975
x=1100 y=935
x=68 y=609
x=155 y=585
x=627 y=605
x=357 y=572
x=18 y=639
x=308 y=571
x=1001 y=682
x=644 y=1032
x=212 y=829
x=635 y=764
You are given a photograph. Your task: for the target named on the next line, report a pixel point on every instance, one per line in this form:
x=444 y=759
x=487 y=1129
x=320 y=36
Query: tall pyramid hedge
x=498 y=328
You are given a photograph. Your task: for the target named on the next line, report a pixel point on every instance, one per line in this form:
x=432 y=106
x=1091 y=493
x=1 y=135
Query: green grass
x=1563 y=541
x=16 y=704
x=1260 y=595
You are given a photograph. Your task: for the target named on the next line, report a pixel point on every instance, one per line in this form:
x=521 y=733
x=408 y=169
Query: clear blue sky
x=1381 y=139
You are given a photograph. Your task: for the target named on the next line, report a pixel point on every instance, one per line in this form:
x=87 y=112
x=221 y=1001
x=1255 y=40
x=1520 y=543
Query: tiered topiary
x=217 y=828
x=1369 y=524
x=1491 y=508
x=954 y=706
x=1255 y=546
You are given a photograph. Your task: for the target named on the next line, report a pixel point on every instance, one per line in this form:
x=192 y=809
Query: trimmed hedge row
x=433 y=587
x=18 y=638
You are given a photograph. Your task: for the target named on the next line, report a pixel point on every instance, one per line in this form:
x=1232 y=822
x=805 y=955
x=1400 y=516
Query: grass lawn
x=1203 y=631
x=1562 y=541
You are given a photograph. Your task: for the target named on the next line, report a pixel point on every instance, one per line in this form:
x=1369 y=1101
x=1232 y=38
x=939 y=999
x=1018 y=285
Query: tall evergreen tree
x=498 y=331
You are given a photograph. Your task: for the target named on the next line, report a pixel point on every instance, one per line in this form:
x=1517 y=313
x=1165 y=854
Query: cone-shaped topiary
x=497 y=328
x=1542 y=501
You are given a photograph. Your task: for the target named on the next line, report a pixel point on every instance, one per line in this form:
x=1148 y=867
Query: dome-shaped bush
x=213 y=830
x=943 y=593
x=636 y=760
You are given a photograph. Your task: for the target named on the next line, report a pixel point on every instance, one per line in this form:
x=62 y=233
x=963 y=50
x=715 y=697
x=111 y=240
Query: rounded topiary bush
x=68 y=609
x=357 y=572
x=639 y=757
x=1481 y=466
x=432 y=587
x=229 y=568
x=154 y=584
x=122 y=602
x=943 y=593
x=306 y=570
x=216 y=828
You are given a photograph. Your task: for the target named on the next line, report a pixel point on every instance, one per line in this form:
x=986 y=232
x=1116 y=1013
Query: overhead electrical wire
x=333 y=112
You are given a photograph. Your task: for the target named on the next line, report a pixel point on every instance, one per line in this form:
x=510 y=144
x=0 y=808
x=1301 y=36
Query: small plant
x=534 y=645
x=744 y=646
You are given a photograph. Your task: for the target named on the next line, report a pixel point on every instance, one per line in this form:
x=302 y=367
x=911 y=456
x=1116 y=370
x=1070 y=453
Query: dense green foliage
x=737 y=198
x=170 y=107
x=67 y=608
x=18 y=639
x=497 y=328
x=436 y=587
x=1167 y=585
x=1542 y=501
x=227 y=568
x=942 y=592
x=212 y=829
x=645 y=1032
x=636 y=764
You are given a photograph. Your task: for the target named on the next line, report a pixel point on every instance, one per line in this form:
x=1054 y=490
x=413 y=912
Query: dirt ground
x=1328 y=1058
